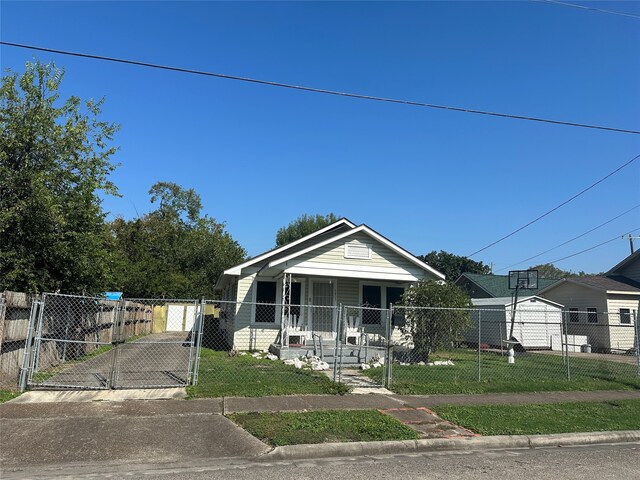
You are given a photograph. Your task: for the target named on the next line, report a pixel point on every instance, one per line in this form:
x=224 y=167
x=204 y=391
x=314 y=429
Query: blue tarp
x=113 y=295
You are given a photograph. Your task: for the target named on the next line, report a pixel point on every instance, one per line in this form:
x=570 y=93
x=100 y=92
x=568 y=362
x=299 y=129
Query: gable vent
x=357 y=251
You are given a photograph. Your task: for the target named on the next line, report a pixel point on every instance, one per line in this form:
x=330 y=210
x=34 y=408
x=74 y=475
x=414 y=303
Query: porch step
x=350 y=354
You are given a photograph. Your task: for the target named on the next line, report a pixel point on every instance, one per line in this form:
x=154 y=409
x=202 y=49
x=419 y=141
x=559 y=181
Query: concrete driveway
x=156 y=360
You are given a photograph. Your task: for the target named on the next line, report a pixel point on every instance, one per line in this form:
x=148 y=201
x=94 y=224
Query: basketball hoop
x=519 y=280
x=523 y=279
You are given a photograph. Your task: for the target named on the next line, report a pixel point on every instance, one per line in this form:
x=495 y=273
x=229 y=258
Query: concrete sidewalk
x=66 y=428
x=359 y=402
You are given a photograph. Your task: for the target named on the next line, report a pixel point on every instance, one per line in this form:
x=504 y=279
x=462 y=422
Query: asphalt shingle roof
x=617 y=283
x=498 y=285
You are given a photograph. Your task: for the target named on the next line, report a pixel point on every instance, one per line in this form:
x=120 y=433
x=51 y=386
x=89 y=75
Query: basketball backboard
x=523 y=279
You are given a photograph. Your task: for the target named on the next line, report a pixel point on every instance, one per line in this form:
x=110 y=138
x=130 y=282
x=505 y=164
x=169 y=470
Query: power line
x=571 y=240
x=320 y=90
x=556 y=207
x=584 y=7
x=594 y=247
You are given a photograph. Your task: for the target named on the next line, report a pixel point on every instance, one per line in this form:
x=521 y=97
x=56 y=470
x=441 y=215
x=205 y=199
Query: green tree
x=453 y=265
x=549 y=270
x=302 y=226
x=55 y=156
x=173 y=251
x=436 y=314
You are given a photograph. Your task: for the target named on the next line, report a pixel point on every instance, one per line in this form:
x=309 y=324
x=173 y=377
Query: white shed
x=538 y=322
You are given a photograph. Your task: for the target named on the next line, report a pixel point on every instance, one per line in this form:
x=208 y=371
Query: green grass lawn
x=245 y=376
x=532 y=372
x=545 y=419
x=6 y=395
x=325 y=426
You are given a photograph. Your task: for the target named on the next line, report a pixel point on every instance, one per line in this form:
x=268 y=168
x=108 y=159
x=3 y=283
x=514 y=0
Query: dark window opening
x=592 y=315
x=371 y=297
x=265 y=294
x=394 y=294
x=295 y=299
x=625 y=316
x=573 y=315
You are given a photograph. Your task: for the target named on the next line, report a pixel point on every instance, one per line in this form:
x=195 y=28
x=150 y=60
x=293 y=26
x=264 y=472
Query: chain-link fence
x=440 y=350
x=259 y=348
x=222 y=347
x=94 y=343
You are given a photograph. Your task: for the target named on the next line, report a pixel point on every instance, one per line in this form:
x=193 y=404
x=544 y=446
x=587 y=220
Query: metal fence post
x=37 y=341
x=637 y=318
x=566 y=343
x=28 y=345
x=116 y=340
x=198 y=331
x=336 y=363
x=388 y=361
x=479 y=341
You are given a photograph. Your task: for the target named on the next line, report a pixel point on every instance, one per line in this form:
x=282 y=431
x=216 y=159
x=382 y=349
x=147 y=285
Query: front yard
x=246 y=376
x=532 y=372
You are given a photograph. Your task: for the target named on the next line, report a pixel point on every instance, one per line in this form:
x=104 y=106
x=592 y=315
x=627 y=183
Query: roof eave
x=237 y=269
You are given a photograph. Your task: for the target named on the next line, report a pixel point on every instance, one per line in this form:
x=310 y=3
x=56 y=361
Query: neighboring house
x=602 y=307
x=288 y=294
x=538 y=322
x=495 y=286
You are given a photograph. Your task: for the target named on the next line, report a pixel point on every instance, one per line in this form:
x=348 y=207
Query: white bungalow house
x=291 y=294
x=602 y=307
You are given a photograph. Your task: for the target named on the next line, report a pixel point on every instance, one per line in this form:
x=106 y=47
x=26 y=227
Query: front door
x=323 y=308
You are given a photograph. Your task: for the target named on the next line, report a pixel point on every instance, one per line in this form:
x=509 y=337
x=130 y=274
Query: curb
x=325 y=450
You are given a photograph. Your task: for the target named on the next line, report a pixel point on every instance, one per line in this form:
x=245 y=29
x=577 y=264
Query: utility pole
x=631 y=242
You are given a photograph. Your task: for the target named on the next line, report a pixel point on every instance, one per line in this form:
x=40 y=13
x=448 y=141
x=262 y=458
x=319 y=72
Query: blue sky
x=427 y=179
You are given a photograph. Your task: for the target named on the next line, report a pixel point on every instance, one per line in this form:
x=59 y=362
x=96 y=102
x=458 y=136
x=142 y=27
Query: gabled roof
x=368 y=231
x=630 y=259
x=282 y=250
x=601 y=283
x=339 y=230
x=498 y=285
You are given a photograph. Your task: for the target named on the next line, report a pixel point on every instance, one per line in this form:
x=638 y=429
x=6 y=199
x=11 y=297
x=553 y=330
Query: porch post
x=286 y=309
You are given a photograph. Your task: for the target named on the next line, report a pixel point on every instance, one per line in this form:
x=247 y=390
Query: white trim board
x=329 y=272
x=238 y=268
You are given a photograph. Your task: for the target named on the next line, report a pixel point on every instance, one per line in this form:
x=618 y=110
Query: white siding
x=250 y=336
x=381 y=257
x=348 y=291
x=577 y=296
x=622 y=336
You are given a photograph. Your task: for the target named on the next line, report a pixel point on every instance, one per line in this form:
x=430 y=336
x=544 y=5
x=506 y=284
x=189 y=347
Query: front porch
x=329 y=352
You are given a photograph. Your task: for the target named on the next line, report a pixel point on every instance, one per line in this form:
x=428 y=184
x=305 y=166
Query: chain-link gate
x=92 y=343
x=362 y=344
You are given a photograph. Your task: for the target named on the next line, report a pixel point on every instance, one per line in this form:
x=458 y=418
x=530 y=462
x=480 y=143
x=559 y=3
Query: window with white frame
x=592 y=315
x=625 y=316
x=265 y=311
